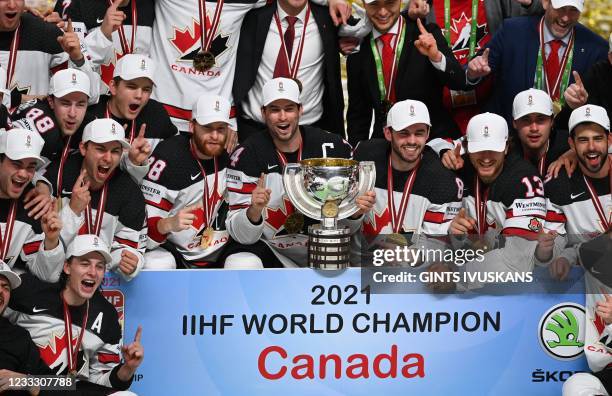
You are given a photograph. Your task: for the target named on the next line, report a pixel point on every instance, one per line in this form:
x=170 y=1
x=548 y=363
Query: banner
x=305 y=332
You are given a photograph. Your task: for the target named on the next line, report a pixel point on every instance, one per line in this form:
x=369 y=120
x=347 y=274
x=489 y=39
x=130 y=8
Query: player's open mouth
x=103 y=170
x=283 y=127
x=19 y=184
x=11 y=15
x=534 y=138
x=593 y=158
x=133 y=107
x=70 y=124
x=88 y=285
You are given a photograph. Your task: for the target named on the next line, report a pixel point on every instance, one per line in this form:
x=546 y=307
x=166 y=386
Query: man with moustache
x=25 y=240
x=92 y=179
x=503 y=202
x=400 y=59
x=268 y=230
x=408 y=204
x=185 y=191
x=130 y=104
x=76 y=329
x=579 y=210
x=538 y=52
x=294 y=39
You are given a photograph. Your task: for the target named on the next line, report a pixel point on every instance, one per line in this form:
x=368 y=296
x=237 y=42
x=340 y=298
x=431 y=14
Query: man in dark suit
x=271 y=46
x=424 y=67
x=538 y=52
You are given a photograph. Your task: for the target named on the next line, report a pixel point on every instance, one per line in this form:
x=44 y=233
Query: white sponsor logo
x=574 y=196
x=272 y=166
x=193 y=177
x=66 y=192
x=37 y=310
x=98 y=20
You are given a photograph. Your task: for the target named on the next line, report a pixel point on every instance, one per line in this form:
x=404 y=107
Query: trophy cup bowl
x=325 y=189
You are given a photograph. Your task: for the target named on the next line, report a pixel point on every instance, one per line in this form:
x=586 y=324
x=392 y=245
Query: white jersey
x=176 y=40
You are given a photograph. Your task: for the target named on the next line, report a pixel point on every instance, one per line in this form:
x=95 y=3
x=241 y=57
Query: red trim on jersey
x=152 y=229
x=514 y=231
x=434 y=217
x=108 y=358
x=240 y=206
x=510 y=214
x=185 y=114
x=32 y=247
x=555 y=217
x=201 y=264
x=247 y=188
x=164 y=204
x=127 y=242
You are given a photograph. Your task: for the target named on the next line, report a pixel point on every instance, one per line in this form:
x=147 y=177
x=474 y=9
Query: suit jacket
x=253 y=35
x=416 y=79
x=514 y=53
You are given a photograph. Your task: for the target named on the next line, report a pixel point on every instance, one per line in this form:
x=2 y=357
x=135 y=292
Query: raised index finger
x=141 y=132
x=115 y=4
x=421 y=27
x=485 y=55
x=605 y=294
x=138 y=334
x=262 y=180
x=578 y=79
x=70 y=29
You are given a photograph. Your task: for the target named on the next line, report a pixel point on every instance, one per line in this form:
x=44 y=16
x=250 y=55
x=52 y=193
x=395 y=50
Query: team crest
x=486 y=132
x=74 y=79
x=143 y=65
x=530 y=101
x=280 y=87
x=113 y=131
x=411 y=111
x=217 y=106
x=187 y=42
x=535 y=225
x=28 y=143
x=587 y=112
x=460 y=36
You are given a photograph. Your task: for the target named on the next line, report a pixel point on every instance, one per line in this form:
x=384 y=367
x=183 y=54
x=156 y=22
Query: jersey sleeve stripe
x=31 y=248
x=239 y=206
x=555 y=217
x=163 y=204
x=434 y=217
x=510 y=214
x=247 y=188
x=152 y=230
x=514 y=231
x=108 y=358
x=127 y=242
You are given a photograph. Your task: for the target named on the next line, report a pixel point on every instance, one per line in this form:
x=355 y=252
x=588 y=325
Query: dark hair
x=572 y=134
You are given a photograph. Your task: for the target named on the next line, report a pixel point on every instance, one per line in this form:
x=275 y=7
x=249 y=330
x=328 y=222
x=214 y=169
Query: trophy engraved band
x=325 y=189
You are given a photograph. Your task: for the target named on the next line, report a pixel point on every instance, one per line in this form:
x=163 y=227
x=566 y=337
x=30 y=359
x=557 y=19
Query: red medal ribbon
x=60 y=171
x=298 y=55
x=10 y=70
x=99 y=212
x=283 y=159
x=541 y=160
x=73 y=354
x=605 y=220
x=207 y=37
x=557 y=79
x=108 y=114
x=481 y=206
x=397 y=217
x=209 y=200
x=128 y=49
x=5 y=242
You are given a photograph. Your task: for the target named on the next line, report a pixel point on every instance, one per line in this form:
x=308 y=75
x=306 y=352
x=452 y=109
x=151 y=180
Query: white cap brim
x=205 y=120
x=134 y=76
x=19 y=155
x=398 y=126
x=13 y=278
x=123 y=142
x=65 y=92
x=476 y=147
x=82 y=252
x=565 y=3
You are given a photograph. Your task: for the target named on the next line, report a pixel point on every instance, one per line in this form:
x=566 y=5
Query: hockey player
x=195 y=43
x=268 y=229
x=98 y=198
x=407 y=202
x=110 y=29
x=35 y=50
x=130 y=105
x=185 y=190
x=579 y=209
x=503 y=196
x=23 y=239
x=76 y=329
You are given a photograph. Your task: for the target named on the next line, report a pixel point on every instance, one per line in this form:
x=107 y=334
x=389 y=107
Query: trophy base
x=328 y=249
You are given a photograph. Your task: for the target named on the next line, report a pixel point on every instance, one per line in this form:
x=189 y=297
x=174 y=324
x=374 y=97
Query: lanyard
x=209 y=200
x=73 y=354
x=481 y=207
x=564 y=74
x=207 y=36
x=298 y=56
x=5 y=242
x=99 y=212
x=541 y=160
x=128 y=49
x=283 y=159
x=397 y=217
x=605 y=220
x=60 y=171
x=108 y=114
x=385 y=91
x=10 y=70
x=473 y=27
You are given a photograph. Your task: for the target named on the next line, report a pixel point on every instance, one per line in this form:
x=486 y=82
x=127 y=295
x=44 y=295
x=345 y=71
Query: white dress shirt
x=310 y=71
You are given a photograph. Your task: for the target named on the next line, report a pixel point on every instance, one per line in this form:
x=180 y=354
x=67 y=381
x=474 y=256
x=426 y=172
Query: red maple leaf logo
x=276 y=218
x=184 y=39
x=199 y=213
x=599 y=323
x=106 y=71
x=54 y=354
x=460 y=36
x=380 y=221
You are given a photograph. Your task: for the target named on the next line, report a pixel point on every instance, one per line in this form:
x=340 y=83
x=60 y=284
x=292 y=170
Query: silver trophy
x=325 y=189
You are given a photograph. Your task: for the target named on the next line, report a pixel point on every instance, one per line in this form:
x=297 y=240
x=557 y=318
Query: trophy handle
x=293 y=179
x=367 y=180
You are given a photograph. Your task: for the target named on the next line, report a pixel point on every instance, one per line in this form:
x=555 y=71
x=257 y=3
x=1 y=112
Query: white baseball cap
x=578 y=4
x=133 y=66
x=13 y=278
x=487 y=131
x=531 y=101
x=589 y=113
x=211 y=108
x=87 y=243
x=281 y=88
x=406 y=113
x=21 y=143
x=104 y=130
x=67 y=81
x=3 y=82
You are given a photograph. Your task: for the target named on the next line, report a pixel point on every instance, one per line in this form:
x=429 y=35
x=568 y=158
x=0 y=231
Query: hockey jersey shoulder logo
x=460 y=36
x=187 y=42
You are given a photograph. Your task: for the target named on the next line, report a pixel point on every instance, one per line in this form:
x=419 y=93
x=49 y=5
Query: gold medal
x=72 y=374
x=294 y=223
x=330 y=209
x=557 y=107
x=397 y=239
x=207 y=237
x=58 y=204
x=204 y=61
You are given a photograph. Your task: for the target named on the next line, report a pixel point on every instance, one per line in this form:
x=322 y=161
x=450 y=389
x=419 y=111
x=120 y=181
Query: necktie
x=387 y=59
x=553 y=66
x=282 y=68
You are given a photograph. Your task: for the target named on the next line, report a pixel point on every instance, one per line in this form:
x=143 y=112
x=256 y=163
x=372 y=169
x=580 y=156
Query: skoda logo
x=561 y=331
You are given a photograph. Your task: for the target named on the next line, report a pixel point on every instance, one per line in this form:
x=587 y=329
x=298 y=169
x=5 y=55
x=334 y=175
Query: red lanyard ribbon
x=283 y=159
x=10 y=70
x=89 y=221
x=5 y=242
x=108 y=114
x=606 y=221
x=207 y=35
x=397 y=217
x=298 y=55
x=209 y=200
x=481 y=206
x=128 y=49
x=60 y=171
x=73 y=353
